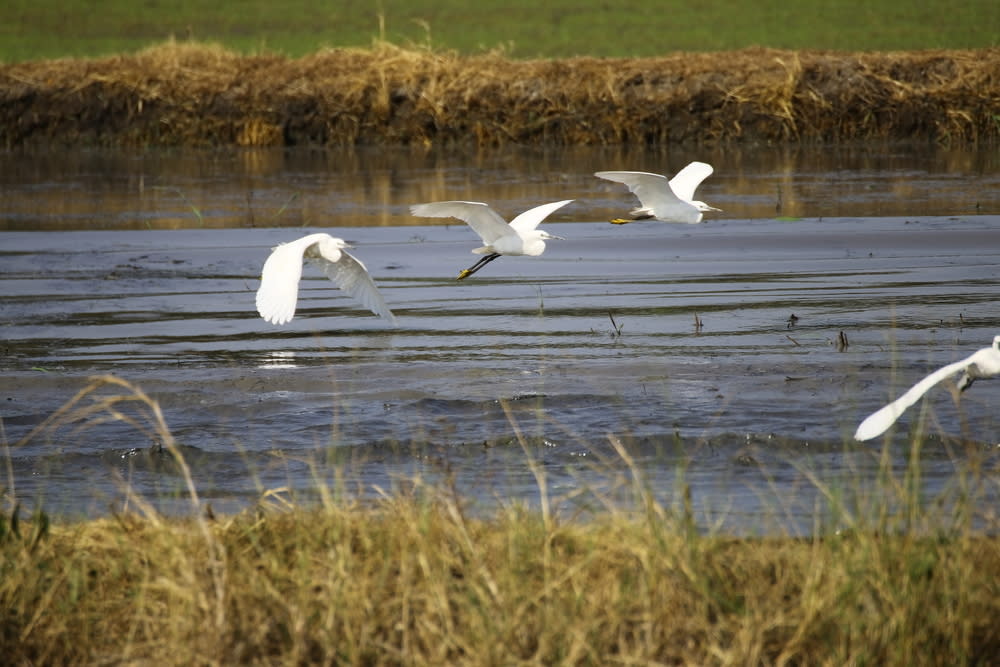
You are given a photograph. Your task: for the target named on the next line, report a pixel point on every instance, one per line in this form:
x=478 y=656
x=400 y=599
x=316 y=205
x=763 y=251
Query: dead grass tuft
x=414 y=581
x=192 y=94
x=414 y=578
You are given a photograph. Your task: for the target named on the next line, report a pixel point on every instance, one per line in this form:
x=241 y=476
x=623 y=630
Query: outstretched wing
x=687 y=180
x=351 y=276
x=531 y=218
x=654 y=193
x=279 y=281
x=879 y=422
x=484 y=220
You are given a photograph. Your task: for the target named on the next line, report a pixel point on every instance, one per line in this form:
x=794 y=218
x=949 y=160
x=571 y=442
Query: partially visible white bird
x=982 y=364
x=279 y=279
x=520 y=237
x=667 y=201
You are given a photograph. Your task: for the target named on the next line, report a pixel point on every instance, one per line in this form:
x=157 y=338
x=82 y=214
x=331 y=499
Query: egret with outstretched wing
x=984 y=363
x=279 y=279
x=667 y=201
x=520 y=237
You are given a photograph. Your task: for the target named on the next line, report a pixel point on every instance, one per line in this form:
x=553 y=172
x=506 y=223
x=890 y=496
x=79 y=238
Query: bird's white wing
x=654 y=193
x=531 y=218
x=279 y=281
x=351 y=276
x=879 y=421
x=687 y=180
x=484 y=220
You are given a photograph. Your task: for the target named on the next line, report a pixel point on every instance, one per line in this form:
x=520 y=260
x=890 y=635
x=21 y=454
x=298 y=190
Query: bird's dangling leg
x=958 y=388
x=633 y=215
x=478 y=265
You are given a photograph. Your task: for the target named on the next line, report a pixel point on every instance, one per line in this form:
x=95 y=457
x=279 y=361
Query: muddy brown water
x=145 y=266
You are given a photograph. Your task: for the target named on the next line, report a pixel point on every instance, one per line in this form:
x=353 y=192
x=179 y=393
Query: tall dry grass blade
x=106 y=408
x=10 y=494
x=640 y=487
x=536 y=470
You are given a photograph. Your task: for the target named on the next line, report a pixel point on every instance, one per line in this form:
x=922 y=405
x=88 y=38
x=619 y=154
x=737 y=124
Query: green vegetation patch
x=31 y=30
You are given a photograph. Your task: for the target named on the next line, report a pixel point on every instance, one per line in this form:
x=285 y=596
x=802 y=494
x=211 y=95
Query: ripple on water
x=534 y=359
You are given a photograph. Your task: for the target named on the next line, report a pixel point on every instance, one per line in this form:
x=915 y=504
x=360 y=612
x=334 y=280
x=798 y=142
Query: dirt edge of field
x=191 y=94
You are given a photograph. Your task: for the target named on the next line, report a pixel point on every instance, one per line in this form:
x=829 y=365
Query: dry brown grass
x=415 y=579
x=195 y=94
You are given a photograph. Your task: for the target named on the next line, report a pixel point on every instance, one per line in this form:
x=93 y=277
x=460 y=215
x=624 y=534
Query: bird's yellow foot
x=620 y=221
x=464 y=274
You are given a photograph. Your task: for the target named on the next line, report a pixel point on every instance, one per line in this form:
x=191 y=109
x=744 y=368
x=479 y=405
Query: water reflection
x=278 y=359
x=228 y=188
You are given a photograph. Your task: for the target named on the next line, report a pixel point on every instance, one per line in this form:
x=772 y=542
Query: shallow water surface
x=676 y=342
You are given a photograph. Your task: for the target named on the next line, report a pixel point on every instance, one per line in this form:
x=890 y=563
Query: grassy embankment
x=281 y=74
x=417 y=579
x=35 y=29
x=197 y=95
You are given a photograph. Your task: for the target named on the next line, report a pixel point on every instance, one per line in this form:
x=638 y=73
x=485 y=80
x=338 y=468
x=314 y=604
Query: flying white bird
x=520 y=237
x=984 y=363
x=667 y=201
x=279 y=279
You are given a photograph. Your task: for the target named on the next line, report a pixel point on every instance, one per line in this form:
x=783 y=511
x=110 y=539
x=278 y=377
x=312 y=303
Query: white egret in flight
x=520 y=237
x=279 y=279
x=984 y=363
x=667 y=201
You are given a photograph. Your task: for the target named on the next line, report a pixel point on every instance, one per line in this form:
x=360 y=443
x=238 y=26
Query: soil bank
x=189 y=94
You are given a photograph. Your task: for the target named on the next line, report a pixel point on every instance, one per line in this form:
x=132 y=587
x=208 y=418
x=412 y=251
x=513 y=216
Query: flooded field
x=677 y=341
